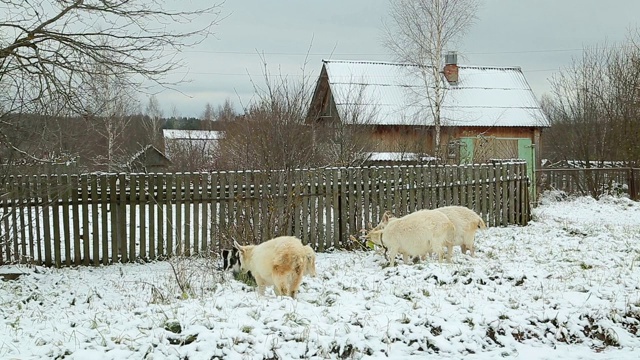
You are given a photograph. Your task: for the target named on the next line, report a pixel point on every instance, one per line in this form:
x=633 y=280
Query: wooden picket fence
x=591 y=181
x=93 y=219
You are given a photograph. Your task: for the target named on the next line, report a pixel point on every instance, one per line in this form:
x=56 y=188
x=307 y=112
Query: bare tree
x=48 y=49
x=418 y=33
x=594 y=111
x=595 y=106
x=225 y=112
x=272 y=133
x=348 y=140
x=152 y=123
x=194 y=151
x=109 y=106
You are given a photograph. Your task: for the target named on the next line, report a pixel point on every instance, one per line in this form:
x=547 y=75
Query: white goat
x=466 y=223
x=279 y=262
x=416 y=234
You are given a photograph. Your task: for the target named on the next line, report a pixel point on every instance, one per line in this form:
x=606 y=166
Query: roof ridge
x=379 y=62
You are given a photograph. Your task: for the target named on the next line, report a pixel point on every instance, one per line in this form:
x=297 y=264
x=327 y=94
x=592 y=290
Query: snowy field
x=567 y=286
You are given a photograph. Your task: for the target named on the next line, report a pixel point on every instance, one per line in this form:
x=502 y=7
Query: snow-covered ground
x=567 y=286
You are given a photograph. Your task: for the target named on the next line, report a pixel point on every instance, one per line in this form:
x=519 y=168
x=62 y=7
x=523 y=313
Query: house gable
x=483 y=96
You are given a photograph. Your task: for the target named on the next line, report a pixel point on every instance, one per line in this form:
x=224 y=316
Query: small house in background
x=202 y=141
x=148 y=160
x=488 y=113
x=192 y=150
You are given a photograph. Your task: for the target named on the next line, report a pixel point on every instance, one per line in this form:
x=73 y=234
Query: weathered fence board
x=102 y=218
x=591 y=181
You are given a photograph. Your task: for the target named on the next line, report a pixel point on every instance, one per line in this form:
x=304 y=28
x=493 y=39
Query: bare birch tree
x=109 y=106
x=418 y=33
x=152 y=122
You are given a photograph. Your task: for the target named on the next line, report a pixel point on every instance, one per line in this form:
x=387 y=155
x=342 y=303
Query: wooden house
x=487 y=113
x=148 y=160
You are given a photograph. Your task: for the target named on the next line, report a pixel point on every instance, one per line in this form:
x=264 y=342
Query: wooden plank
x=95 y=229
x=328 y=209
x=382 y=183
x=327 y=200
x=55 y=210
x=401 y=193
x=297 y=202
x=161 y=219
x=14 y=229
x=457 y=184
x=356 y=201
x=441 y=177
x=205 y=183
x=485 y=191
x=178 y=224
x=21 y=194
x=489 y=179
x=392 y=190
x=432 y=179
x=505 y=195
x=142 y=181
x=105 y=208
x=21 y=239
x=282 y=209
x=339 y=207
x=305 y=212
x=223 y=227
x=333 y=209
x=86 y=237
x=420 y=187
x=257 y=186
x=113 y=201
x=471 y=186
x=215 y=205
x=75 y=220
x=35 y=220
x=365 y=179
x=478 y=183
x=4 y=234
x=322 y=182
x=66 y=223
x=45 y=189
x=151 y=221
x=122 y=218
x=314 y=209
x=187 y=221
x=197 y=200
x=522 y=199
x=134 y=201
x=169 y=200
x=411 y=188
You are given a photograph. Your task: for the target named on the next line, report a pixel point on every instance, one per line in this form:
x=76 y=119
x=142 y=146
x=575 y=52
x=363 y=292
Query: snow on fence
x=94 y=219
x=591 y=181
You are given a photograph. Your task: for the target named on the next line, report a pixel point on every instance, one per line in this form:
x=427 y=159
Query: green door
x=526 y=152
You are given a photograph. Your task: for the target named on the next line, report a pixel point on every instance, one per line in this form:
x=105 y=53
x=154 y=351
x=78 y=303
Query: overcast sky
x=540 y=36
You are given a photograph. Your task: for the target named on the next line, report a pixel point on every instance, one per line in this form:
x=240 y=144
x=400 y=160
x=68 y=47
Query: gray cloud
x=540 y=36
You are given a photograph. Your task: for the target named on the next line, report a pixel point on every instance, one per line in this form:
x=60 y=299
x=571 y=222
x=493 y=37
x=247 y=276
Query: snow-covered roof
x=397 y=156
x=174 y=134
x=483 y=96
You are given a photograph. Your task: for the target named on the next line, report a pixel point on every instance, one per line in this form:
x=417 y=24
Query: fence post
x=633 y=188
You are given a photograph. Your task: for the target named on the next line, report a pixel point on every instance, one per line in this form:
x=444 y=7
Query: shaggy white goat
x=416 y=234
x=279 y=262
x=466 y=223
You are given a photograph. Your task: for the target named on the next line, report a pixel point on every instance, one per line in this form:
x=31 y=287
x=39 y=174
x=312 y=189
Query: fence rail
x=94 y=219
x=591 y=181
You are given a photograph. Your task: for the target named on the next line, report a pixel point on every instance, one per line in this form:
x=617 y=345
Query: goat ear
x=386 y=216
